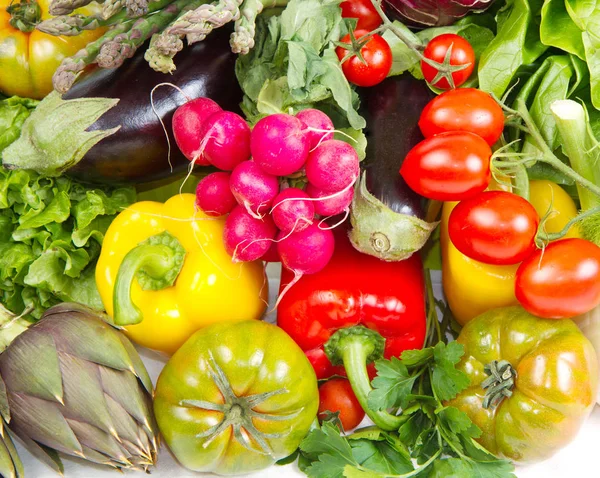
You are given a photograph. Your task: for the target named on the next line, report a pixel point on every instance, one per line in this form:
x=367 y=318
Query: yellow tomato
x=29 y=59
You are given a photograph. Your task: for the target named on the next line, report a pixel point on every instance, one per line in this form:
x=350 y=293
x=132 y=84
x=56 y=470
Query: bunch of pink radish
x=267 y=221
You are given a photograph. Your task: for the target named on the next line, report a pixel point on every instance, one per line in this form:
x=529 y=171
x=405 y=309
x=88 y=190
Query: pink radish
x=291 y=211
x=187 y=122
x=247 y=238
x=226 y=138
x=253 y=188
x=317 y=123
x=279 y=144
x=214 y=196
x=333 y=166
x=335 y=203
x=307 y=251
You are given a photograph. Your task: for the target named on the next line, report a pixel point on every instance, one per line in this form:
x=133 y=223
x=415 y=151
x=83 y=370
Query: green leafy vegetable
x=434 y=439
x=51 y=234
x=13 y=113
x=516 y=43
x=294 y=66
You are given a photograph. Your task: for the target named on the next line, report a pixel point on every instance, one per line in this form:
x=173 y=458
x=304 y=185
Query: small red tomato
x=464 y=109
x=560 y=281
x=462 y=54
x=449 y=166
x=364 y=11
x=336 y=395
x=494 y=227
x=378 y=60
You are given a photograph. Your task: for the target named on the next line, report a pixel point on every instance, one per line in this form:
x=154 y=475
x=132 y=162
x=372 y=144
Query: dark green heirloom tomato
x=540 y=376
x=235 y=398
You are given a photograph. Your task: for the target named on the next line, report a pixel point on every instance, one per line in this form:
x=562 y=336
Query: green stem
x=548 y=155
x=520 y=181
x=156 y=263
x=545 y=237
x=572 y=125
x=354 y=347
x=24 y=15
x=417 y=48
x=499 y=384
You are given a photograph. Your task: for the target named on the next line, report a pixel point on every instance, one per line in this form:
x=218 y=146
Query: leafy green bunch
x=51 y=230
x=435 y=439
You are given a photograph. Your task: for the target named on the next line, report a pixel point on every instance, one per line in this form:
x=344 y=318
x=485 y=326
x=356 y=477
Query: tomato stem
x=543 y=237
x=499 y=384
x=547 y=154
x=444 y=69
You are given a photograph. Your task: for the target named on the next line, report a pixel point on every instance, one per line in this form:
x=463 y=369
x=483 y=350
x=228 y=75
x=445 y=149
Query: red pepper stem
x=354 y=347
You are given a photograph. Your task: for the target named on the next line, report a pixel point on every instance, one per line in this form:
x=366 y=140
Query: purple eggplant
x=138 y=152
x=387 y=216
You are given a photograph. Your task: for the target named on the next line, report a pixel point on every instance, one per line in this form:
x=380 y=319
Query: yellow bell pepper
x=28 y=57
x=164 y=273
x=472 y=287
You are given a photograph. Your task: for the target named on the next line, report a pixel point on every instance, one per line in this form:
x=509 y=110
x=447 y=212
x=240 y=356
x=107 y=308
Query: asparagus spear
x=68 y=71
x=71 y=25
x=63 y=7
x=195 y=24
x=136 y=8
x=242 y=39
x=122 y=46
x=111 y=7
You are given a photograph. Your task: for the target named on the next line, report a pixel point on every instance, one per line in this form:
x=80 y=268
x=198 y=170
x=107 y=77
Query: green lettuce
x=51 y=232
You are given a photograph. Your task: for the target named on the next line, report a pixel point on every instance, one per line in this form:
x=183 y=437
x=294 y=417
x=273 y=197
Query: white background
x=578 y=460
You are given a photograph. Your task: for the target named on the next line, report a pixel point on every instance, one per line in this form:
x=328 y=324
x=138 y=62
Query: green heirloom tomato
x=235 y=398
x=540 y=379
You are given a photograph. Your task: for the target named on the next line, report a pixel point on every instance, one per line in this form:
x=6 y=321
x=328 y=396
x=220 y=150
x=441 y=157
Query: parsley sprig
x=434 y=439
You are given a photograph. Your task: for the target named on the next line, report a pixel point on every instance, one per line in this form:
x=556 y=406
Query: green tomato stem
x=545 y=237
x=499 y=384
x=548 y=156
x=520 y=181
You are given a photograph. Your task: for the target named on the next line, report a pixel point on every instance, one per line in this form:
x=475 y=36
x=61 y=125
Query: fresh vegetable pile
x=366 y=146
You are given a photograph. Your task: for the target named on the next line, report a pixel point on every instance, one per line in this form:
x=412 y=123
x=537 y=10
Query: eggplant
x=138 y=152
x=387 y=217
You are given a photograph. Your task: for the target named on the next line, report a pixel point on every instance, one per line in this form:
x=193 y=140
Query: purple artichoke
x=431 y=13
x=71 y=383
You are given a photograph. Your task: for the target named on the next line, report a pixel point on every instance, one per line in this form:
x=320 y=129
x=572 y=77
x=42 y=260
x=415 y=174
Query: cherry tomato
x=336 y=395
x=364 y=11
x=378 y=60
x=463 y=109
x=560 y=281
x=462 y=54
x=449 y=166
x=494 y=227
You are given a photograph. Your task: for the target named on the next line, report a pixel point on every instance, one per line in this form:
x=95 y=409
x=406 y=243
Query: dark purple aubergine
x=138 y=153
x=387 y=216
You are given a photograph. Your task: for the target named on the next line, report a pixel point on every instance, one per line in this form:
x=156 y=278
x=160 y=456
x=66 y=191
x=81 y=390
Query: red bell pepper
x=355 y=289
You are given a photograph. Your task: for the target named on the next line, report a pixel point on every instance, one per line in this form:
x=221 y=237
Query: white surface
x=579 y=459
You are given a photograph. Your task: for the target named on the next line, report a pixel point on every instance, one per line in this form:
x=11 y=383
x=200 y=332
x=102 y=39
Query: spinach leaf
x=558 y=29
x=586 y=15
x=517 y=42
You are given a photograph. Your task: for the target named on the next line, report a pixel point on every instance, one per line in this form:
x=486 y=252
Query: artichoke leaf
x=84 y=396
x=46 y=368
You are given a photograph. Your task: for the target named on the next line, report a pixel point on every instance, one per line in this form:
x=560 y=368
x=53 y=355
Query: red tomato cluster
x=496 y=227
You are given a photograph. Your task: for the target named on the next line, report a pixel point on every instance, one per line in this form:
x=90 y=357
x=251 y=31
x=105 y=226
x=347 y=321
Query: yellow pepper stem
x=155 y=263
x=24 y=15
